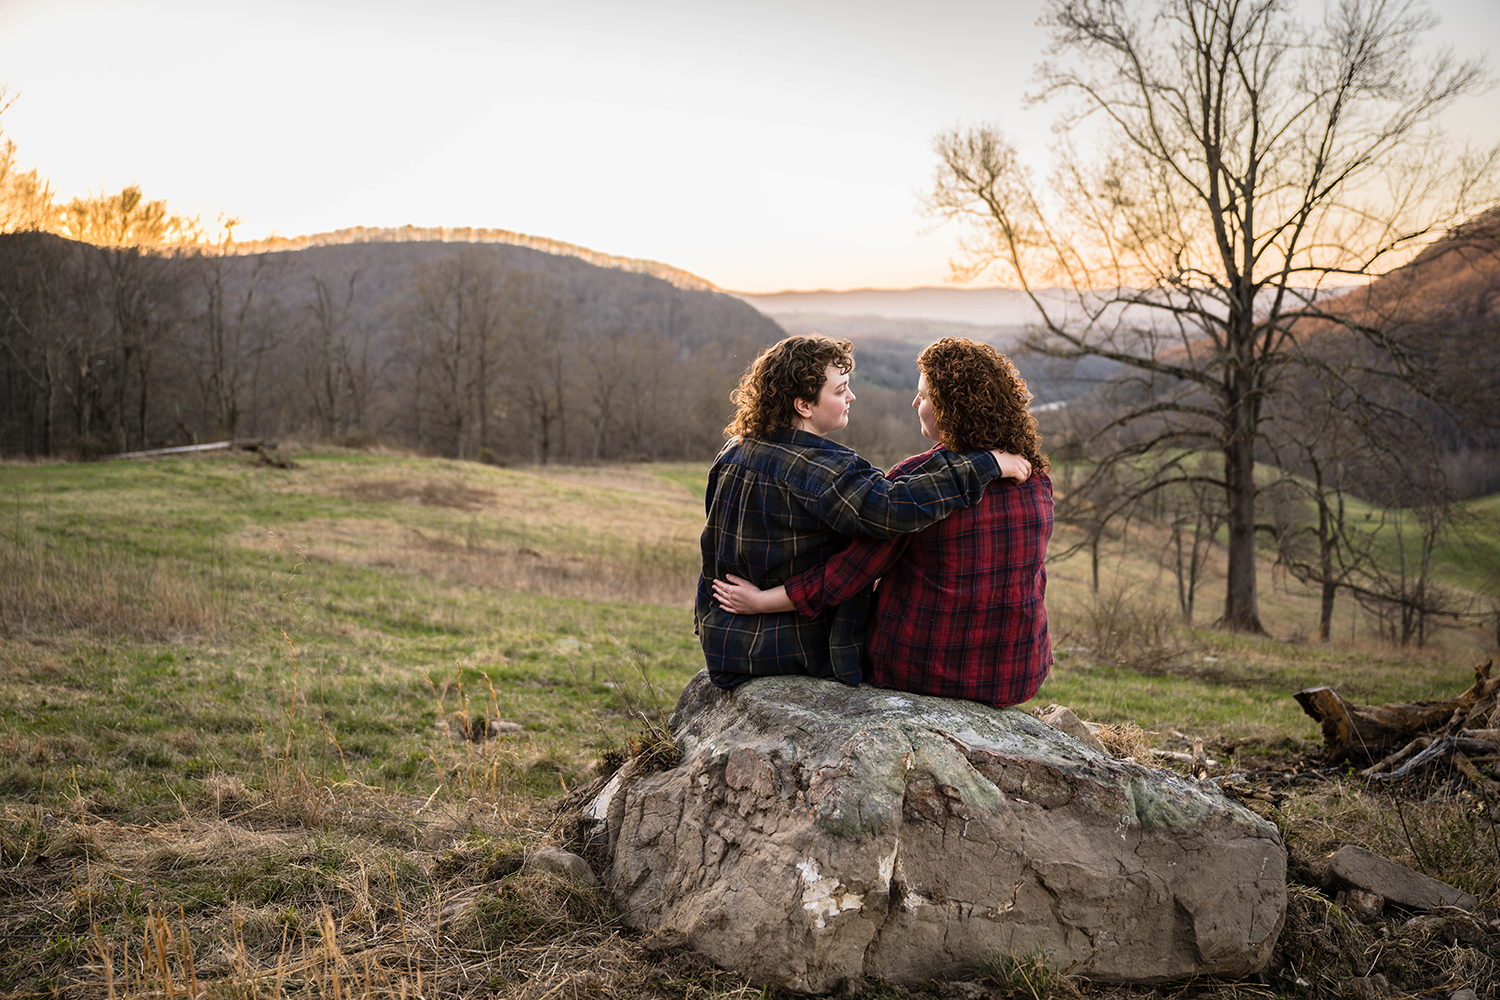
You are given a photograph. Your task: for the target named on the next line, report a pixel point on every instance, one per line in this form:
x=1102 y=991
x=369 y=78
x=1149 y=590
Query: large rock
x=815 y=833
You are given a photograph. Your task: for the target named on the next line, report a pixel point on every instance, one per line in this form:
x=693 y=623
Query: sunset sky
x=761 y=145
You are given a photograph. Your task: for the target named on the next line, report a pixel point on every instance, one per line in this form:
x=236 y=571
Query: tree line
x=123 y=330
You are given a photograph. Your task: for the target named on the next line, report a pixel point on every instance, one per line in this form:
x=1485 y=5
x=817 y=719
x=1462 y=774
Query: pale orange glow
x=760 y=146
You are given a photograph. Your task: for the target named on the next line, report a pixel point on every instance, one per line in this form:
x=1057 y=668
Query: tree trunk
x=1325 y=613
x=1326 y=543
x=1241 y=608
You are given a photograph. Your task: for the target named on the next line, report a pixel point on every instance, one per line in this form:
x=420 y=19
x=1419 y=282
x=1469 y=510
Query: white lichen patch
x=599 y=808
x=888 y=866
x=825 y=897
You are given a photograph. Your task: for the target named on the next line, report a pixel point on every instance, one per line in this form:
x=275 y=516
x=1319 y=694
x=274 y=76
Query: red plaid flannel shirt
x=959 y=612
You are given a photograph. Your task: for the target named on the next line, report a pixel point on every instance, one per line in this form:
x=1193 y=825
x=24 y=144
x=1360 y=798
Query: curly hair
x=791 y=369
x=979 y=400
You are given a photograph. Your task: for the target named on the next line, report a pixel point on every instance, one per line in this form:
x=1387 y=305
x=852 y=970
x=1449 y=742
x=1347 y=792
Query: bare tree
x=331 y=352
x=653 y=405
x=606 y=379
x=453 y=323
x=1395 y=582
x=235 y=326
x=1316 y=548
x=542 y=330
x=139 y=294
x=1333 y=440
x=1250 y=163
x=1194 y=514
x=27 y=203
x=38 y=333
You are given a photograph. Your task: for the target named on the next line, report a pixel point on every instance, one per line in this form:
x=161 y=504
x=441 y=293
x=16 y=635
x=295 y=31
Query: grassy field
x=237 y=702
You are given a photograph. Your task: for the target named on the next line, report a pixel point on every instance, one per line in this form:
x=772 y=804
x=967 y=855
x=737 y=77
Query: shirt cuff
x=797 y=593
x=986 y=462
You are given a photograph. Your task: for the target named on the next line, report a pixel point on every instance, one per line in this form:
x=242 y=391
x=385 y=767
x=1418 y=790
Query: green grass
x=1470 y=556
x=181 y=618
x=273 y=617
x=234 y=702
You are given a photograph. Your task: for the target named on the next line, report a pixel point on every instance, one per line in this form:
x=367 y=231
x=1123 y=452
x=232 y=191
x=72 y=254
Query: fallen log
x=1485 y=784
x=1369 y=732
x=190 y=449
x=1432 y=751
x=1388 y=764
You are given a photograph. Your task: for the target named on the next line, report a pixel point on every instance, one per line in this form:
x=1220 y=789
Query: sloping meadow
x=236 y=697
x=279 y=730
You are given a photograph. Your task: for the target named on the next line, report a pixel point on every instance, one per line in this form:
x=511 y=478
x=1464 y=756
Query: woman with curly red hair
x=960 y=609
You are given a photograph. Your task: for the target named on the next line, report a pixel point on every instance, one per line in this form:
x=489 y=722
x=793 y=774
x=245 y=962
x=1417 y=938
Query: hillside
x=1455 y=280
x=475 y=344
x=608 y=298
x=1438 y=319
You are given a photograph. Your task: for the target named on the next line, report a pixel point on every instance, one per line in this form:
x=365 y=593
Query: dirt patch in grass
x=454 y=494
x=649 y=573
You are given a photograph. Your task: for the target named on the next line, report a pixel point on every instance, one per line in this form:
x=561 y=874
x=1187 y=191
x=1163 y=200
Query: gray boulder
x=816 y=833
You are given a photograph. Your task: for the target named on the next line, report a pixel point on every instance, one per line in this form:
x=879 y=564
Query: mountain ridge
x=676 y=276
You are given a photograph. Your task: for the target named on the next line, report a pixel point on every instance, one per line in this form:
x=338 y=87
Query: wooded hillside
x=488 y=349
x=1439 y=317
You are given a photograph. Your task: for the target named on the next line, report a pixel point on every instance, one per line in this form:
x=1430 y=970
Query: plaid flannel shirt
x=783 y=504
x=960 y=609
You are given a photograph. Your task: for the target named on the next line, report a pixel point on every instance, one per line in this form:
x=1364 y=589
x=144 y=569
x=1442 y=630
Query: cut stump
x=1370 y=732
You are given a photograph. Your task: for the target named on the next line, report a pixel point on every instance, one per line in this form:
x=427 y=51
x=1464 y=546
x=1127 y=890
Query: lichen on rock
x=815 y=833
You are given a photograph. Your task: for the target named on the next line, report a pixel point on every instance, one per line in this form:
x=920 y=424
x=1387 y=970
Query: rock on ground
x=816 y=833
x=1394 y=882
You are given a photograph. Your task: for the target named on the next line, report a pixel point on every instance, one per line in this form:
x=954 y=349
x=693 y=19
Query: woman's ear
x=803 y=407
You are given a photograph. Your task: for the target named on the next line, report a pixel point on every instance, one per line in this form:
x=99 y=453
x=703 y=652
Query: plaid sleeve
x=857 y=504
x=861 y=563
x=846 y=574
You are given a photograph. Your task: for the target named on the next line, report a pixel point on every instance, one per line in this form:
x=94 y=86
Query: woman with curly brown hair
x=960 y=610
x=782 y=498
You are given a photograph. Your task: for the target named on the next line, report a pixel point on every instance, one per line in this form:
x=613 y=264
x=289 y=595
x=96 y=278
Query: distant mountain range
x=889 y=327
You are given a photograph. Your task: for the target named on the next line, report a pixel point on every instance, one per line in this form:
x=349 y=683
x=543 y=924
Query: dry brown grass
x=1122 y=625
x=346 y=916
x=1126 y=741
x=655 y=571
x=44 y=591
x=596 y=534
